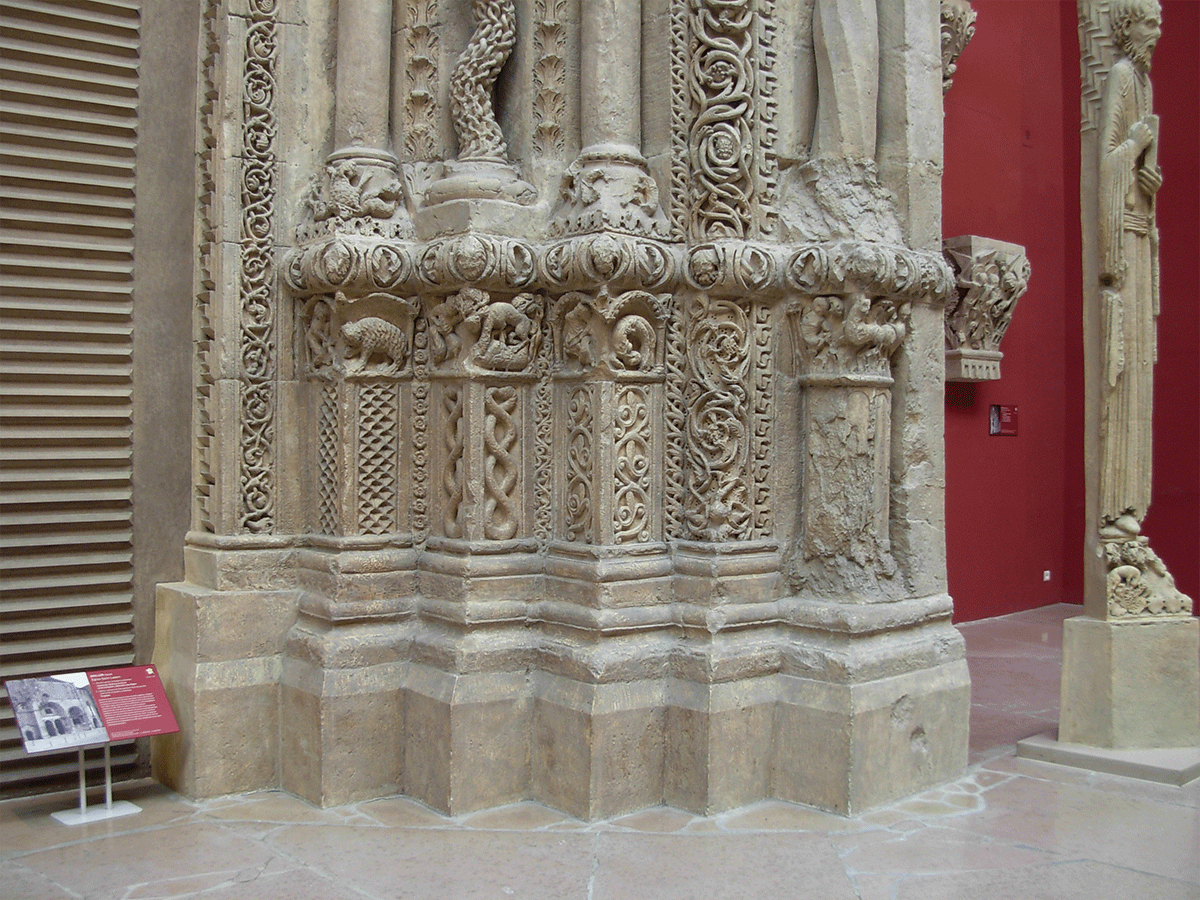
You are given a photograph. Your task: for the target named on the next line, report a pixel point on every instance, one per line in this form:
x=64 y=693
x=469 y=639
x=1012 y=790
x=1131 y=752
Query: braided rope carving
x=474 y=76
x=500 y=519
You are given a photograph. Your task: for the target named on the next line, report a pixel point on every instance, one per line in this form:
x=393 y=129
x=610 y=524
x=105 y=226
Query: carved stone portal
x=582 y=446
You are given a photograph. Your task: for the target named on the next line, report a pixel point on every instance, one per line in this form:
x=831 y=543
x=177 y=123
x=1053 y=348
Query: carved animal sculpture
x=374 y=336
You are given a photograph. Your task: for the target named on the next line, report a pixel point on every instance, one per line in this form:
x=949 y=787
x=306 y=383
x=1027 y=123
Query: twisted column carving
x=474 y=76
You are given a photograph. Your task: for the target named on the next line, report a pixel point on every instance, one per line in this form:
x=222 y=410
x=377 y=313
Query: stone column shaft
x=610 y=77
x=364 y=60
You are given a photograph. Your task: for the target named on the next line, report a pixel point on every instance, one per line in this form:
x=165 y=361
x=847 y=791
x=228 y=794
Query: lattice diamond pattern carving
x=377 y=432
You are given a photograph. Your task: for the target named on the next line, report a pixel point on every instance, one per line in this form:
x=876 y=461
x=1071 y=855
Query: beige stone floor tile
x=519 y=817
x=18 y=883
x=439 y=864
x=274 y=806
x=187 y=886
x=679 y=867
x=874 y=887
x=943 y=806
x=105 y=867
x=939 y=850
x=1076 y=820
x=26 y=823
x=1009 y=765
x=777 y=815
x=1176 y=795
x=401 y=812
x=883 y=818
x=702 y=826
x=1083 y=880
x=658 y=820
x=293 y=885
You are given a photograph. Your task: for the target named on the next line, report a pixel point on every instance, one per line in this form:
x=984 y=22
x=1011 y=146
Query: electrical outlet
x=1046 y=575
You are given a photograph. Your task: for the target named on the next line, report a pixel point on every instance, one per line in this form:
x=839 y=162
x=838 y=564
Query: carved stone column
x=358 y=571
x=466 y=686
x=481 y=184
x=361 y=191
x=1130 y=680
x=844 y=343
x=609 y=186
x=607 y=568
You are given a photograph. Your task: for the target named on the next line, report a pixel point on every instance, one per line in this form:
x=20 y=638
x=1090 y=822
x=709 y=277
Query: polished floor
x=1009 y=828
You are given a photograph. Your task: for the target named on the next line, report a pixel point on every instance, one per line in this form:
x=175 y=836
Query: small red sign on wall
x=1003 y=421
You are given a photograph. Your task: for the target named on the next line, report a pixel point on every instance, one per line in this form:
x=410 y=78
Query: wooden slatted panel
x=68 y=127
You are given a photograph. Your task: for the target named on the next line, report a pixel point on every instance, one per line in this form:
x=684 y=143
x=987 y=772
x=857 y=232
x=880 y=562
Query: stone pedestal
x=217 y=648
x=1130 y=684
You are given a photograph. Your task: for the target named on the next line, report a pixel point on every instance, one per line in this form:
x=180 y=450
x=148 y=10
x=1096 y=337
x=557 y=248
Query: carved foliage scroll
x=721 y=140
x=577 y=509
x=633 y=437
x=718 y=421
x=421 y=80
x=957 y=29
x=257 y=271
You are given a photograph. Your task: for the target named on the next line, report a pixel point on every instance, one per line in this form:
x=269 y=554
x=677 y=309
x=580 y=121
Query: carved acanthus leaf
x=958 y=27
x=991 y=277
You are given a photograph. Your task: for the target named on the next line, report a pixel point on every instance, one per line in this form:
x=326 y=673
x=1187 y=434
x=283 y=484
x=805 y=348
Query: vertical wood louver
x=68 y=127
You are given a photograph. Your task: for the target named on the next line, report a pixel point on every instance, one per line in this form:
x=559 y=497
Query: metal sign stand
x=110 y=810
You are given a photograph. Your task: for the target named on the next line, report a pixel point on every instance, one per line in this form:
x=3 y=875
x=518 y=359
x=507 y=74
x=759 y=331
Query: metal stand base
x=109 y=810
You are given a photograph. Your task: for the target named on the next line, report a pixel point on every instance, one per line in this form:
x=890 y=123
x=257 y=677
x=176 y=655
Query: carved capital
x=470 y=330
x=990 y=276
x=958 y=27
x=610 y=192
x=608 y=335
x=358 y=193
x=848 y=335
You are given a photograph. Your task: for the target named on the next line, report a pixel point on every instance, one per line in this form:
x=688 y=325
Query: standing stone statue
x=1129 y=179
x=1129 y=676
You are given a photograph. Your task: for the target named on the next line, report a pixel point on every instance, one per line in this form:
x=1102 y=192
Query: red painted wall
x=1014 y=505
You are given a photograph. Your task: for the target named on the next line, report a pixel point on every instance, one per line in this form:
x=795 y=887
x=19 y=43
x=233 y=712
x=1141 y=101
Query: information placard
x=85 y=709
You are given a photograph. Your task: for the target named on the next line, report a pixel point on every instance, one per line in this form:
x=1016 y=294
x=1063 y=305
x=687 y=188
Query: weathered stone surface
x=1130 y=685
x=1129 y=672
x=589 y=421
